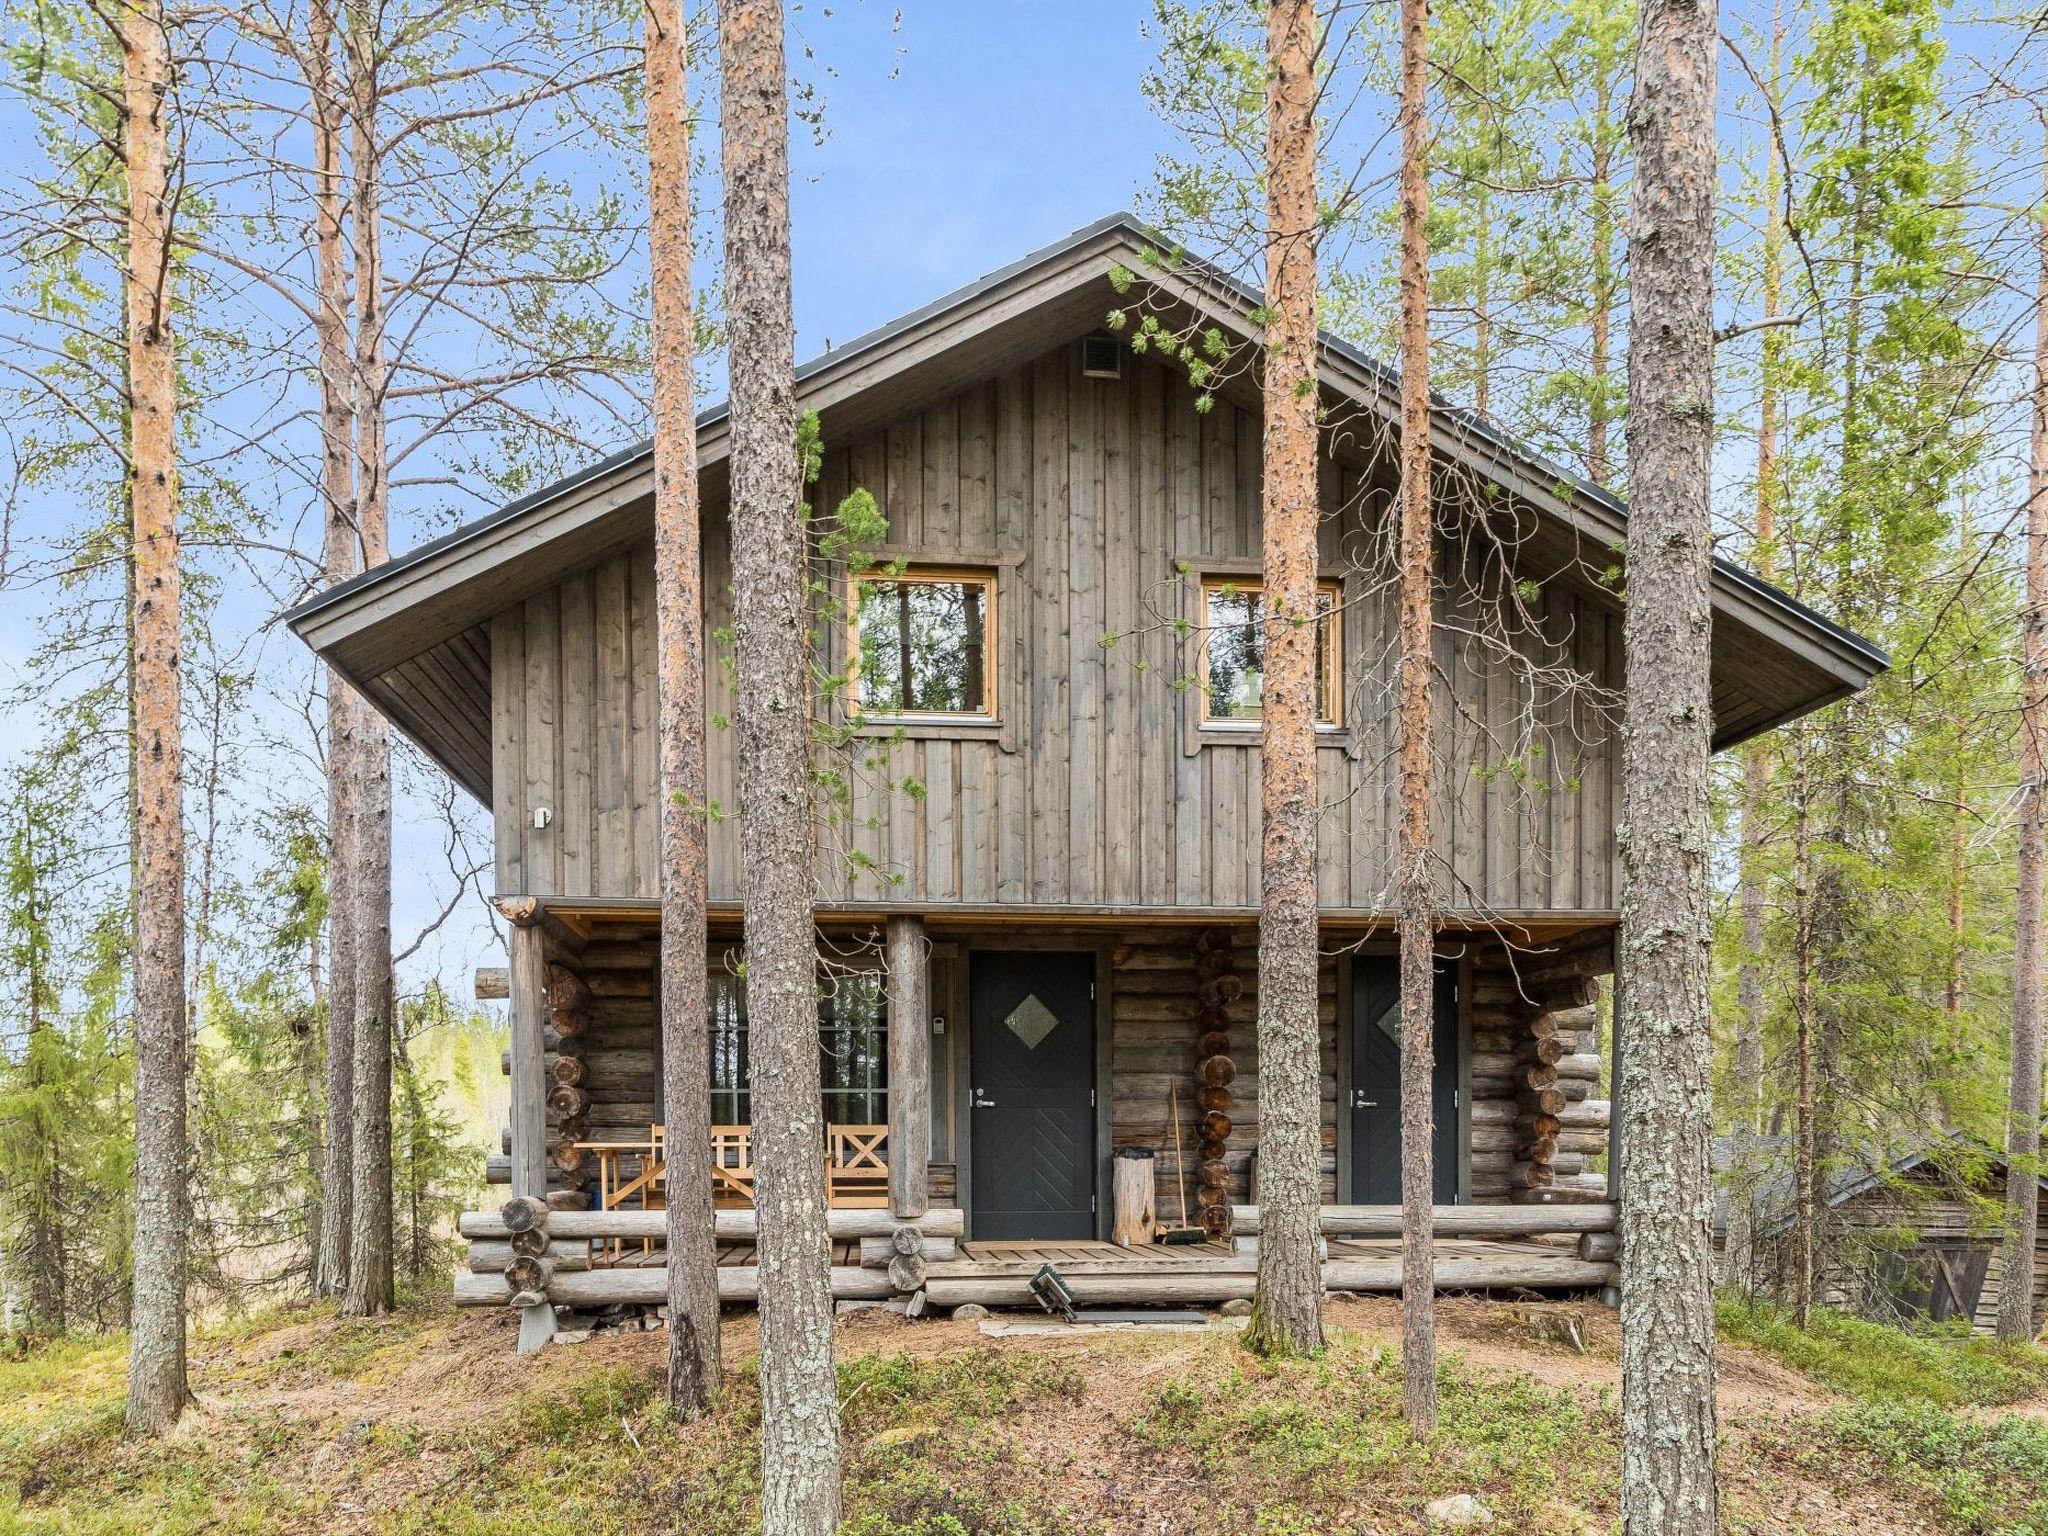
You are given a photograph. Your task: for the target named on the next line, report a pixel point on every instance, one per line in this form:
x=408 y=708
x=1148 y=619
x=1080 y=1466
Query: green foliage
x=1874 y=1360
x=1328 y=1436
x=1987 y=1476
x=1883 y=865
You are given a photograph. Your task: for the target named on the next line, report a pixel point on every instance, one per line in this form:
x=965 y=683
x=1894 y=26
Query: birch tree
x=1416 y=893
x=157 y=1392
x=799 y=1402
x=1665 y=1047
x=693 y=1341
x=1286 y=1311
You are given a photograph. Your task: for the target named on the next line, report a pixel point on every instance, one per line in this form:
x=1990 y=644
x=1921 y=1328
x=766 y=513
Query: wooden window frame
x=1332 y=667
x=990 y=714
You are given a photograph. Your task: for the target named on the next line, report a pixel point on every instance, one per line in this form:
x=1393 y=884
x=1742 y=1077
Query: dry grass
x=427 y=1422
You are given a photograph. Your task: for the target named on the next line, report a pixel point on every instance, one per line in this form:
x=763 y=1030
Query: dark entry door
x=1032 y=1109
x=1376 y=1082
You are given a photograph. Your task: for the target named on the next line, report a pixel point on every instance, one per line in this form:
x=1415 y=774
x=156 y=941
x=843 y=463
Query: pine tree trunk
x=1601 y=322
x=156 y=1384
x=1805 y=1166
x=370 y=1281
x=1738 y=1261
x=693 y=1342
x=2023 y=1118
x=799 y=1398
x=41 y=1259
x=341 y=559
x=1667 y=1353
x=1417 y=894
x=1287 y=1310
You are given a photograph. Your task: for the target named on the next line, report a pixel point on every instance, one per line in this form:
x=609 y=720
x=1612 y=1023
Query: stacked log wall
x=1158 y=1038
x=1539 y=1124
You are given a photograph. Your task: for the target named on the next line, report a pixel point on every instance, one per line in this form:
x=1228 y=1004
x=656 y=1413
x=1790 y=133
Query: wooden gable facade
x=1085 y=842
x=1097 y=506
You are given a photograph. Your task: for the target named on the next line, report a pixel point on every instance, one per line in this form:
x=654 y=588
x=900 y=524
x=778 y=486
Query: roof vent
x=1101 y=357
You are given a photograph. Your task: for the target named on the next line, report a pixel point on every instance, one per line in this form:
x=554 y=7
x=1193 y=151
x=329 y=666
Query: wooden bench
x=856 y=1169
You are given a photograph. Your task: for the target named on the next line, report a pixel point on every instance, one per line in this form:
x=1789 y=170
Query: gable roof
x=1871 y=1167
x=410 y=634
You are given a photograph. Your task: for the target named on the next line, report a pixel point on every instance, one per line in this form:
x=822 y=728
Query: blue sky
x=956 y=141
x=1009 y=123
x=959 y=134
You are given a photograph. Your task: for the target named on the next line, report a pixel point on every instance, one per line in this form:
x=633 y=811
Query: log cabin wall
x=1160 y=1018
x=1099 y=504
x=1181 y=999
x=1539 y=1118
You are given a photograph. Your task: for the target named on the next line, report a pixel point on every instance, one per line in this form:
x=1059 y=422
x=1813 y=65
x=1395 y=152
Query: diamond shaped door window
x=1031 y=1021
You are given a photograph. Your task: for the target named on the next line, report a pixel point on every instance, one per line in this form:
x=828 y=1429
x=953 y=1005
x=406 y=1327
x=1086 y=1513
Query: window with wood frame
x=853 y=1048
x=920 y=644
x=1232 y=660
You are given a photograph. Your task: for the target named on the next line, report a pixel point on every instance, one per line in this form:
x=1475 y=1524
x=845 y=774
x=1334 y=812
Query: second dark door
x=1375 y=1089
x=1032 y=1101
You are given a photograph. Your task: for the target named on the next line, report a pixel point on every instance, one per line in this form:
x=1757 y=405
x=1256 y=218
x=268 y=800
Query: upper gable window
x=919 y=643
x=1233 y=653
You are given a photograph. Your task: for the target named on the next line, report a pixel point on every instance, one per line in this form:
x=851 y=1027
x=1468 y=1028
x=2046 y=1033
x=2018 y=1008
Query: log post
x=1133 y=1193
x=910 y=1072
x=529 y=1057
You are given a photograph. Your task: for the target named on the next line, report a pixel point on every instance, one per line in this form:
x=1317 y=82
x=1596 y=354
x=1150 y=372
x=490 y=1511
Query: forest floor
x=428 y=1422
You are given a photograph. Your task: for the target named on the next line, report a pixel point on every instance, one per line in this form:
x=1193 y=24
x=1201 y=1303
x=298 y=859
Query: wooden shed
x=1910 y=1238
x=1048 y=948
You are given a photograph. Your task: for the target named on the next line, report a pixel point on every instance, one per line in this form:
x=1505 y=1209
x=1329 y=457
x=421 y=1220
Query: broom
x=1182 y=1233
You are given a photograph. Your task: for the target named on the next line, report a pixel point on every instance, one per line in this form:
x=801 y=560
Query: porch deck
x=608 y=1258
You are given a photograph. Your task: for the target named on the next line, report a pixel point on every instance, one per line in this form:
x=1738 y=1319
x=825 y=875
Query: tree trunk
x=1287 y=1309
x=799 y=1401
x=2023 y=1119
x=341 y=559
x=1743 y=1173
x=370 y=1282
x=693 y=1343
x=1667 y=1357
x=1805 y=1166
x=156 y=1384
x=1600 y=365
x=1416 y=893
x=40 y=1261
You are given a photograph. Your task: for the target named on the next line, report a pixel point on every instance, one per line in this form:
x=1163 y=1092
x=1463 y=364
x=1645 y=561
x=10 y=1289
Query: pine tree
x=156 y=1378
x=1664 y=1040
x=693 y=1355
x=799 y=1402
x=1286 y=1310
x=2030 y=944
x=1417 y=890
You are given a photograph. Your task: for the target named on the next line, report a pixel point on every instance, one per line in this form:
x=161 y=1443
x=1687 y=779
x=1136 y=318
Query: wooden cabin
x=1038 y=896
x=1912 y=1238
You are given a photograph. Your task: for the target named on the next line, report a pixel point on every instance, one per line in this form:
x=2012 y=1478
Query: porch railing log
x=648 y=1286
x=876 y=1252
x=738 y=1226
x=490 y=1258
x=1448 y=1220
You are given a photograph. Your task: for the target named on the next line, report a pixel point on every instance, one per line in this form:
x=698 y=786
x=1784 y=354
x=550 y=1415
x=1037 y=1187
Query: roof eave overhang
x=336 y=622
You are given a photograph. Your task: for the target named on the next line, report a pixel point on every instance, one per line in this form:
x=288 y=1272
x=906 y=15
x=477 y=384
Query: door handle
x=980 y=1103
x=1360 y=1101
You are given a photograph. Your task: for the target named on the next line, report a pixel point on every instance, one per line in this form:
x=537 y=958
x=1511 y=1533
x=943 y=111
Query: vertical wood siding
x=1095 y=788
